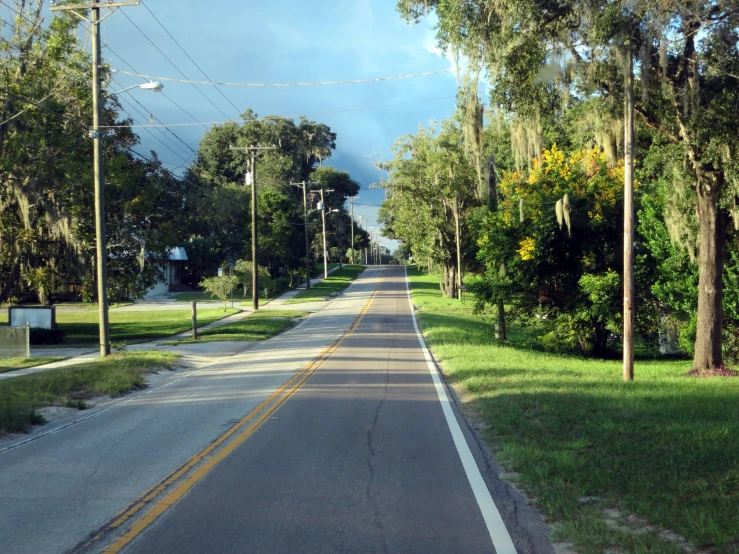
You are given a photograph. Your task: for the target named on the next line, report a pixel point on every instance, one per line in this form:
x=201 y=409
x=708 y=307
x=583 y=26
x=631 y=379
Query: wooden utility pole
x=303 y=186
x=458 y=232
x=366 y=251
x=251 y=175
x=323 y=220
x=351 y=203
x=307 y=239
x=628 y=340
x=101 y=251
x=194 y=308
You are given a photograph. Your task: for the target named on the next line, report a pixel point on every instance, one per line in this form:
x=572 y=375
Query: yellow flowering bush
x=556 y=252
x=527 y=248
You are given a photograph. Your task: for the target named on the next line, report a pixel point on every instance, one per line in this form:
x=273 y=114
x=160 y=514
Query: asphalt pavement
x=60 y=485
x=338 y=436
x=368 y=455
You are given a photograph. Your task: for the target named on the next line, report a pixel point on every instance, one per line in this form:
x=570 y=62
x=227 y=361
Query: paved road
x=359 y=451
x=58 y=489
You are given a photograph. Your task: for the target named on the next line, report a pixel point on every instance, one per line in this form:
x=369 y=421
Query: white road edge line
x=498 y=532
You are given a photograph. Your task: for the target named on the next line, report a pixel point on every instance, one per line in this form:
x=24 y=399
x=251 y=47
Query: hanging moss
x=603 y=121
x=491 y=178
x=472 y=126
x=526 y=140
x=679 y=219
x=31 y=204
x=559 y=212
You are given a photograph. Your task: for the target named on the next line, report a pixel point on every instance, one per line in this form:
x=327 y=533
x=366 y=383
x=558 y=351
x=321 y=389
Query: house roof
x=177 y=254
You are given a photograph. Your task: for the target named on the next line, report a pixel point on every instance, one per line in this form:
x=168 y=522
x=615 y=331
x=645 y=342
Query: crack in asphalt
x=370 y=435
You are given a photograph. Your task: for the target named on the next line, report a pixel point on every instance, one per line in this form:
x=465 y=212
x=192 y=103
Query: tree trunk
x=449 y=279
x=711 y=246
x=42 y=295
x=11 y=280
x=501 y=321
x=458 y=239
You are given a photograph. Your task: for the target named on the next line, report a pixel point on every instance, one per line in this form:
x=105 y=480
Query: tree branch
x=653 y=123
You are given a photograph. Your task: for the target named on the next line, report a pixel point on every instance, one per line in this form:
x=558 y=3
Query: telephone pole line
x=252 y=176
x=303 y=186
x=351 y=203
x=366 y=252
x=629 y=292
x=100 y=247
x=323 y=219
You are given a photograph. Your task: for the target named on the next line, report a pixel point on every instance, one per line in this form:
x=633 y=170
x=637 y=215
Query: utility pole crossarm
x=97 y=5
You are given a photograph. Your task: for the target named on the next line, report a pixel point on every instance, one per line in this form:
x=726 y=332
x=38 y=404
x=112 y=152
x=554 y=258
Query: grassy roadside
x=66 y=306
x=21 y=397
x=9 y=364
x=208 y=297
x=134 y=326
x=317 y=269
x=81 y=327
x=335 y=282
x=610 y=463
x=256 y=326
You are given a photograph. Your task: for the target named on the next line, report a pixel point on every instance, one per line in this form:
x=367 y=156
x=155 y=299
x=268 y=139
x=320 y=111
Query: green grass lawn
x=317 y=270
x=335 y=282
x=90 y=305
x=256 y=326
x=134 y=326
x=208 y=297
x=21 y=397
x=69 y=306
x=9 y=364
x=664 y=448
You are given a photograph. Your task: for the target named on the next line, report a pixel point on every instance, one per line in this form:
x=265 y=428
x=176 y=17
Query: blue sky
x=286 y=41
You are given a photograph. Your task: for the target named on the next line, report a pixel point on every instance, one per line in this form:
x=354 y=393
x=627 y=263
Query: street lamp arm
x=153 y=86
x=122 y=90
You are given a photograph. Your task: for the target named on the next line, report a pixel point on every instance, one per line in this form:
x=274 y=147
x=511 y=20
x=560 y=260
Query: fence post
x=28 y=340
x=194 y=320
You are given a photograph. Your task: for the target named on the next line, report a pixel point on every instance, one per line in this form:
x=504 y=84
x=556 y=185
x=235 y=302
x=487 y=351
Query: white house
x=174 y=273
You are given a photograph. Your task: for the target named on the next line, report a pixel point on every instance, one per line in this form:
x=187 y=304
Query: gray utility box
x=42 y=317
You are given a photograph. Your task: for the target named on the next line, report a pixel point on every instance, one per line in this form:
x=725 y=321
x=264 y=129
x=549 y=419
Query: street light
x=100 y=248
x=372 y=246
x=154 y=86
x=325 y=250
x=322 y=207
x=100 y=236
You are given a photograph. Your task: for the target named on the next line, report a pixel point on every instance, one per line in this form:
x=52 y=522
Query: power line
x=85 y=126
x=306 y=84
x=47 y=34
x=155 y=137
x=205 y=123
x=161 y=131
x=164 y=95
x=174 y=65
x=189 y=57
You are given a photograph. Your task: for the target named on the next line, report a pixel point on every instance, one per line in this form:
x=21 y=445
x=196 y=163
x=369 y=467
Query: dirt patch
x=81 y=402
x=713 y=372
x=630 y=523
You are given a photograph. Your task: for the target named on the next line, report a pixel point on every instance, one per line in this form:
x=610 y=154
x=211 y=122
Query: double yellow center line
x=243 y=430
